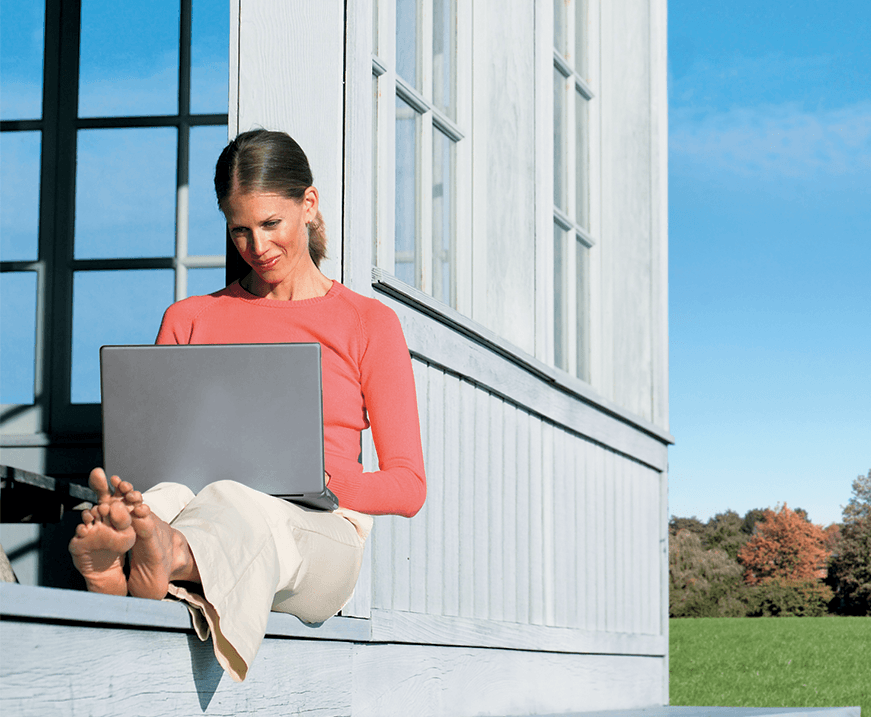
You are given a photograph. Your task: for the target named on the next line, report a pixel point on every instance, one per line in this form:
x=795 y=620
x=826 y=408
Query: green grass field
x=771 y=662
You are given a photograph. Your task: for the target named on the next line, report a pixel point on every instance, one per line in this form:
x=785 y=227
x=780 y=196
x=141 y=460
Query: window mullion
x=424 y=182
x=64 y=112
x=182 y=203
x=425 y=175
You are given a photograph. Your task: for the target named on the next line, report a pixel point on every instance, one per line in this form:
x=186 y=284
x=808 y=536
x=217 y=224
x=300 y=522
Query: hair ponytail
x=317 y=239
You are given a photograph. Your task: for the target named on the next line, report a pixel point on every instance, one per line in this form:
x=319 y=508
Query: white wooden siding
x=525 y=521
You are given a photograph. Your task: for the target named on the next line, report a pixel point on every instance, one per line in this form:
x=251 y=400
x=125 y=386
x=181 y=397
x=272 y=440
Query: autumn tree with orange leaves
x=785 y=546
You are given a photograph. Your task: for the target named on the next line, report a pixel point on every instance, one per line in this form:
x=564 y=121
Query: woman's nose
x=257 y=243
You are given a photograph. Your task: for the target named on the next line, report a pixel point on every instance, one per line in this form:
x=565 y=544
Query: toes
x=123 y=486
x=99 y=484
x=114 y=482
x=119 y=516
x=87 y=517
x=134 y=497
x=141 y=510
x=101 y=510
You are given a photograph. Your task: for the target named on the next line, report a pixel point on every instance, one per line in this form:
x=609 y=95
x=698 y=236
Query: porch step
x=675 y=711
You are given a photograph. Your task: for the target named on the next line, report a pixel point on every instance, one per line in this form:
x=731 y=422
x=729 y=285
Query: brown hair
x=266 y=161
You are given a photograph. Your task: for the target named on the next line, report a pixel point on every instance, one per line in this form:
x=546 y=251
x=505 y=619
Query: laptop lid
x=196 y=414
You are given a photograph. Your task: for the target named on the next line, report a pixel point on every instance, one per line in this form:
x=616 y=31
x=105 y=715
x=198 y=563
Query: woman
x=231 y=553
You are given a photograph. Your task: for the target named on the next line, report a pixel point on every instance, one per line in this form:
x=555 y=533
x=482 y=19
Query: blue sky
x=770 y=254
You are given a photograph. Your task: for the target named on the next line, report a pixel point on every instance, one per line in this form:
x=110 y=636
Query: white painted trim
x=357 y=190
x=543 y=48
x=76 y=606
x=234 y=42
x=424 y=314
x=406 y=627
x=659 y=210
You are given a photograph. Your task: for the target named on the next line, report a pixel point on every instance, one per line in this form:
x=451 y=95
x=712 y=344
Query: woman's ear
x=311 y=202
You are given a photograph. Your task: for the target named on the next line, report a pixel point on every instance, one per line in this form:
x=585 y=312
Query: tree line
x=772 y=562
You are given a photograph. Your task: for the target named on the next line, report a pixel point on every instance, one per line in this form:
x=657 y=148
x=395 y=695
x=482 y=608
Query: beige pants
x=256 y=553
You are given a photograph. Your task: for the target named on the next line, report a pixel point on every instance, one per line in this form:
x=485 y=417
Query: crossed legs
x=120 y=523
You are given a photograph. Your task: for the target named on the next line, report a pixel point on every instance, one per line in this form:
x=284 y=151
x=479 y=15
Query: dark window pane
x=129 y=58
x=582 y=162
x=407 y=19
x=113 y=307
x=560 y=355
x=21 y=50
x=406 y=192
x=206 y=226
x=125 y=193
x=205 y=281
x=442 y=217
x=210 y=57
x=559 y=26
x=559 y=140
x=444 y=52
x=582 y=283
x=580 y=59
x=18 y=349
x=19 y=196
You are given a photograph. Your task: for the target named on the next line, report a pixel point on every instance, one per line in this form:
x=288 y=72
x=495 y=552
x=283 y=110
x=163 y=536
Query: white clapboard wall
x=525 y=521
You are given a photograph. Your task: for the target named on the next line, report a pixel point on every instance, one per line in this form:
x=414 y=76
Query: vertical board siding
x=483 y=505
x=521 y=523
x=495 y=499
x=451 y=522
x=436 y=509
x=414 y=532
x=509 y=513
x=468 y=478
x=525 y=521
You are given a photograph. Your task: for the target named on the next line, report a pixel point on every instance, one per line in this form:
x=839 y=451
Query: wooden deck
x=69 y=653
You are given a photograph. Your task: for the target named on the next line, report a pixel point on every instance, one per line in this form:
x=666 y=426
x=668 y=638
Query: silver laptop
x=196 y=414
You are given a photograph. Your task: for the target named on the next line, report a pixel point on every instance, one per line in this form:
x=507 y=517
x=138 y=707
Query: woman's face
x=270 y=234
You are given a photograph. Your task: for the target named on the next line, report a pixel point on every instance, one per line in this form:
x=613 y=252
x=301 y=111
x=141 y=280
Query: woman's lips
x=266 y=265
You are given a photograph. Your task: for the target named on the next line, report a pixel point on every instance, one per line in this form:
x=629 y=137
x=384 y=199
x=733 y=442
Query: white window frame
x=430 y=119
x=579 y=241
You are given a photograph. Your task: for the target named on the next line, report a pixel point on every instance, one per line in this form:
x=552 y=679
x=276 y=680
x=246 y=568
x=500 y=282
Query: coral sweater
x=367 y=378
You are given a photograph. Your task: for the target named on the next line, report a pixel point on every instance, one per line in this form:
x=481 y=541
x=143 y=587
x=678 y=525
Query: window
x=420 y=140
x=112 y=117
x=571 y=184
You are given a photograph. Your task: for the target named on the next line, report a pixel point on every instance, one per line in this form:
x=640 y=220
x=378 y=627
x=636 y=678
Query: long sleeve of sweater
x=367 y=380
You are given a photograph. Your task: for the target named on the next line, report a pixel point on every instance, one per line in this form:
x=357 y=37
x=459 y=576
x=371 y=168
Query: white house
x=496 y=172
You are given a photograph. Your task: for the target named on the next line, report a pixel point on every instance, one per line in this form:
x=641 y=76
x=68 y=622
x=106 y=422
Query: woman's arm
x=399 y=486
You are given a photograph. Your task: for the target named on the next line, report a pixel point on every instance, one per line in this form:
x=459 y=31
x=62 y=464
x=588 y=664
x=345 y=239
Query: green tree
x=675 y=525
x=850 y=566
x=723 y=532
x=751 y=518
x=702 y=583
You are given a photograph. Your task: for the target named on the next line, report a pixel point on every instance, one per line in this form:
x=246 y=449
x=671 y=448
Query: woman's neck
x=310 y=285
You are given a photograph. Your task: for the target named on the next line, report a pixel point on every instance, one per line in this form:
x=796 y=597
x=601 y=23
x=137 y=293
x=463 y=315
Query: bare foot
x=160 y=553
x=99 y=545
